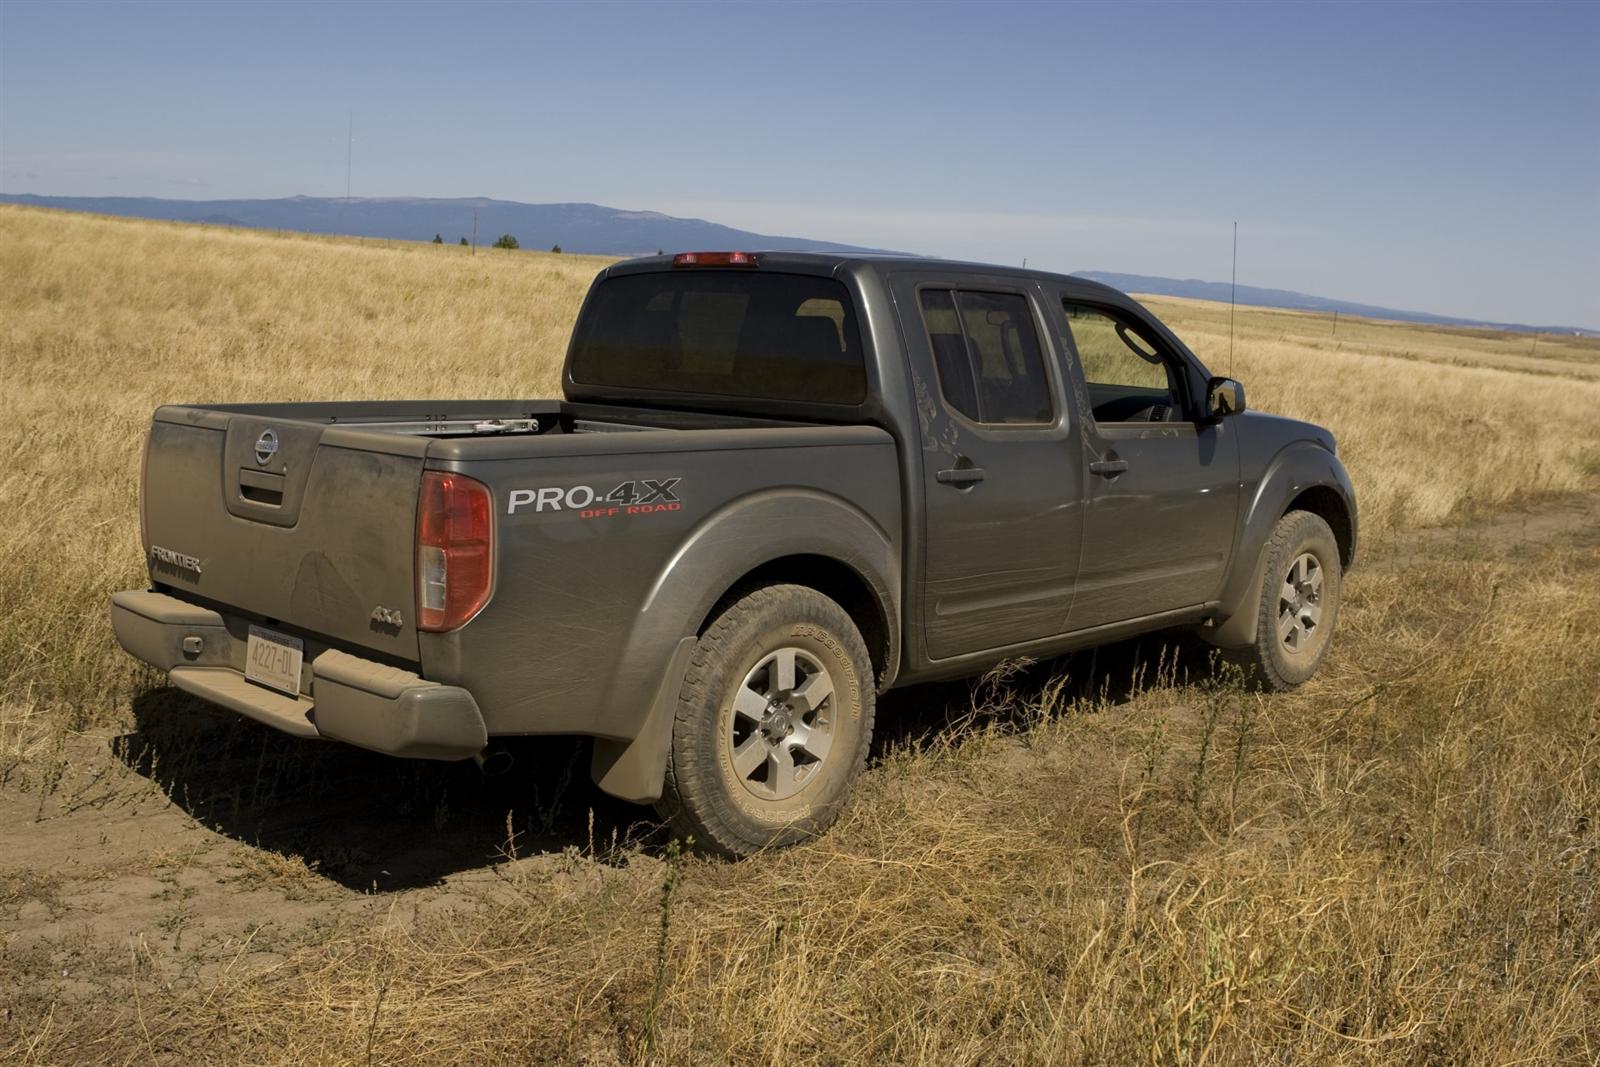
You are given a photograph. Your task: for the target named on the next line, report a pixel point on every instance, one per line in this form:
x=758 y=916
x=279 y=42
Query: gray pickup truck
x=777 y=485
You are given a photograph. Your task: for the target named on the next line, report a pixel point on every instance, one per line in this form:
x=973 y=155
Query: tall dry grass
x=1125 y=863
x=1399 y=864
x=101 y=320
x=1433 y=424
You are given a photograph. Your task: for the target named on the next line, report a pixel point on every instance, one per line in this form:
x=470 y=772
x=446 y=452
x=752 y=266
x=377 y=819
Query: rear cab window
x=737 y=333
x=987 y=356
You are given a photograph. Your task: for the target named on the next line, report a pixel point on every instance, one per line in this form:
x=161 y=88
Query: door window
x=987 y=353
x=1129 y=380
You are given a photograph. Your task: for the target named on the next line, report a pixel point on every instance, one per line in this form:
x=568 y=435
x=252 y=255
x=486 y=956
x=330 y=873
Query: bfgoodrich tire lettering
x=773 y=723
x=1301 y=589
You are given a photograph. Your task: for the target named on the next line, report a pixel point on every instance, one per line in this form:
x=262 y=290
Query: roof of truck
x=830 y=262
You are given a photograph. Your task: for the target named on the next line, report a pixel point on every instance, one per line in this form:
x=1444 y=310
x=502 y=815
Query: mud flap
x=1238 y=627
x=634 y=770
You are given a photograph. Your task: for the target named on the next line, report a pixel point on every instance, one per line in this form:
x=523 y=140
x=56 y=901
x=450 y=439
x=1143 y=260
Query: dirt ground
x=198 y=843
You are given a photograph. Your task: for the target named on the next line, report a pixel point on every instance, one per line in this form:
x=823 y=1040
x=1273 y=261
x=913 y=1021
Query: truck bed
x=303 y=517
x=445 y=419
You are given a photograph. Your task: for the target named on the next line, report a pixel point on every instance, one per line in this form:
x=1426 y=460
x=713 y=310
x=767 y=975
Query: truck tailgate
x=309 y=526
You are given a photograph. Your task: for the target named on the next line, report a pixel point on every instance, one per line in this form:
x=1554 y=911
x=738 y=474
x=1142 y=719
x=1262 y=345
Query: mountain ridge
x=575 y=226
x=597 y=229
x=1289 y=300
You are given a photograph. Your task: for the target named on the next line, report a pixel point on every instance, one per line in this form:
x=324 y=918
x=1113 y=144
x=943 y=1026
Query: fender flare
x=1298 y=467
x=731 y=542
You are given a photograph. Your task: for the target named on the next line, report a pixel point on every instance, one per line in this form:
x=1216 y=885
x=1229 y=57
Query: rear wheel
x=1300 y=594
x=773 y=723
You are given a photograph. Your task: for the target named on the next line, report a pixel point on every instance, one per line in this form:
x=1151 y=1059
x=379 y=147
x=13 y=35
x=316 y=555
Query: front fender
x=725 y=546
x=1296 y=468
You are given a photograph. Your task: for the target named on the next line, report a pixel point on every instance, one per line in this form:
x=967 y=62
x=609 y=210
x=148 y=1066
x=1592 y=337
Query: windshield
x=723 y=332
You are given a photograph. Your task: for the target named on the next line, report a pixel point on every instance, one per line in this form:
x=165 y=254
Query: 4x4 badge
x=388 y=616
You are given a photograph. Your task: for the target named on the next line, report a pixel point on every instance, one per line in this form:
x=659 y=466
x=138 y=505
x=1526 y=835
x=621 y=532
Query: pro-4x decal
x=640 y=496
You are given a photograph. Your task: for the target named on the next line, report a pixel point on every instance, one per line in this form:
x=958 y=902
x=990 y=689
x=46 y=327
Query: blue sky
x=1436 y=157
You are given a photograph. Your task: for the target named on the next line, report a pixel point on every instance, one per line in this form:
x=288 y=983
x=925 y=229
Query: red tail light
x=144 y=482
x=455 y=550
x=714 y=259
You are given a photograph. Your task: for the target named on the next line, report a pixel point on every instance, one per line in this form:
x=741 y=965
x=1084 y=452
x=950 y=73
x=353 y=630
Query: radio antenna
x=1233 y=292
x=349 y=155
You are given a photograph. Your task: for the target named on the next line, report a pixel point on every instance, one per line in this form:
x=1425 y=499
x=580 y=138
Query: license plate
x=273 y=660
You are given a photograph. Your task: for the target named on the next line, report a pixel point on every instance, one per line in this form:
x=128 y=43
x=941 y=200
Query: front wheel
x=1300 y=594
x=773 y=723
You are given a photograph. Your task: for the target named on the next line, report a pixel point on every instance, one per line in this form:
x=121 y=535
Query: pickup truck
x=776 y=485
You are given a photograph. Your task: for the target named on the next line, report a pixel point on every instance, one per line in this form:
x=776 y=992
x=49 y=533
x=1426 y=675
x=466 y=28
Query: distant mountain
x=575 y=227
x=1284 y=298
x=601 y=230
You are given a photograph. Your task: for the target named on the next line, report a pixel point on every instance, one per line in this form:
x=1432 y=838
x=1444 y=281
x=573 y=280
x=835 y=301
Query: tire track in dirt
x=99 y=851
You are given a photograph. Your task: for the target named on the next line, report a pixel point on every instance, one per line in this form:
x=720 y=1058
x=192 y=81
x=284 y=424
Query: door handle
x=961 y=475
x=1109 y=468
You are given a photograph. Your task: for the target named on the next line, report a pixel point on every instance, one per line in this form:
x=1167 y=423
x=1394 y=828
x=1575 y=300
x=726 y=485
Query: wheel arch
x=1304 y=476
x=837 y=581
x=794 y=535
x=1326 y=502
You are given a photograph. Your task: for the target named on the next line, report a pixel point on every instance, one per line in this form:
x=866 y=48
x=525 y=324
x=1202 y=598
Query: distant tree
x=659 y=252
x=438 y=239
x=463 y=242
x=505 y=240
x=556 y=249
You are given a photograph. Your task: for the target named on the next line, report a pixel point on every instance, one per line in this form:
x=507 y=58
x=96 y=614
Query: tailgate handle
x=261 y=487
x=1108 y=468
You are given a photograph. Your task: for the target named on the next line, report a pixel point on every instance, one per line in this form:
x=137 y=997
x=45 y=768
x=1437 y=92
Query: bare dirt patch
x=1398 y=863
x=196 y=887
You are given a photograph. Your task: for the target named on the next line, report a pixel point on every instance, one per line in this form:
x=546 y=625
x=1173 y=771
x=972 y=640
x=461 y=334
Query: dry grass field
x=1116 y=858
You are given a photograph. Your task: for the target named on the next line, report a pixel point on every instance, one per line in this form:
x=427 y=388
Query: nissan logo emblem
x=266 y=447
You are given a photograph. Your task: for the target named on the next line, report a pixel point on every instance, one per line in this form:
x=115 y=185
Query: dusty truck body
x=776 y=485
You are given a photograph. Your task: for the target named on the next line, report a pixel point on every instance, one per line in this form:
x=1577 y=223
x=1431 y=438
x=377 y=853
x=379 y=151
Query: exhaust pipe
x=494 y=760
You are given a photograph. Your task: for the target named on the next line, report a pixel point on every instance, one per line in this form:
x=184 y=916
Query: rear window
x=727 y=333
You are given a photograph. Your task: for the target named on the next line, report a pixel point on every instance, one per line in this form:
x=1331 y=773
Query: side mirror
x=1224 y=397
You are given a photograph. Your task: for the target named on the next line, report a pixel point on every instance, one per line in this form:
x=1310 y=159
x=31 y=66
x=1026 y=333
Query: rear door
x=305 y=525
x=1002 y=478
x=1163 y=485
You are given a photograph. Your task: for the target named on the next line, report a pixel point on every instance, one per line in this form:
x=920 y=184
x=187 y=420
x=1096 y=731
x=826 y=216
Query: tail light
x=144 y=481
x=714 y=259
x=455 y=550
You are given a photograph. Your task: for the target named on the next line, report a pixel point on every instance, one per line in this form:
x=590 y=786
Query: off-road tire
x=705 y=797
x=1272 y=663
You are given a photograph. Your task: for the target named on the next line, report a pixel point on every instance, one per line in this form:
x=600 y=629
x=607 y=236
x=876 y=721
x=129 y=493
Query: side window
x=1128 y=379
x=987 y=353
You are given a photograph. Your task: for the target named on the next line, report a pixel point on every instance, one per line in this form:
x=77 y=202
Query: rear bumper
x=342 y=697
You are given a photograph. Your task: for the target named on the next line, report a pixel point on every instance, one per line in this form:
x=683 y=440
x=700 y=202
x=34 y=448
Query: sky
x=1432 y=157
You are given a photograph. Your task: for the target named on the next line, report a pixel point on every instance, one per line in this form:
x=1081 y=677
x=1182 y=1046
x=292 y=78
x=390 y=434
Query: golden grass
x=103 y=319
x=1398 y=864
x=1433 y=424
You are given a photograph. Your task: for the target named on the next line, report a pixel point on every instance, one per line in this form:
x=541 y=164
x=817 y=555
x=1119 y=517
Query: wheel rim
x=782 y=724
x=1300 y=604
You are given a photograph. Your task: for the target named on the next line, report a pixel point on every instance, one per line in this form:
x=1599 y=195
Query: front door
x=1002 y=474
x=1163 y=486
